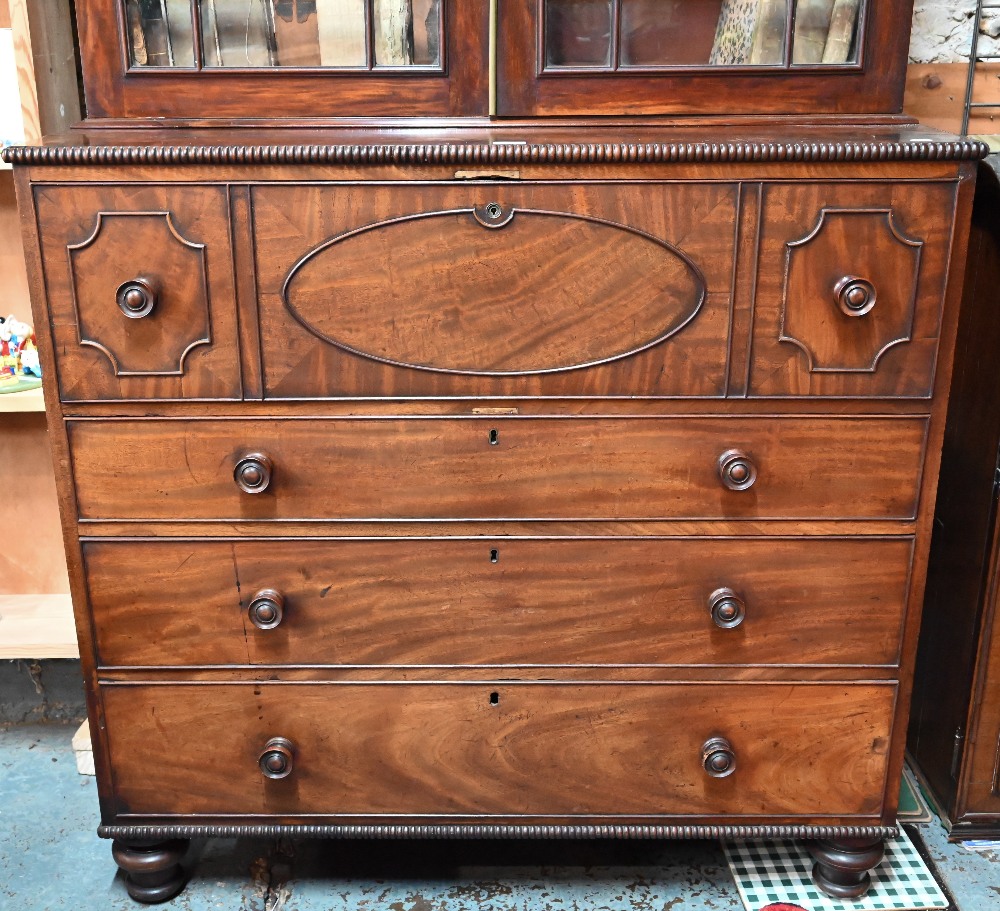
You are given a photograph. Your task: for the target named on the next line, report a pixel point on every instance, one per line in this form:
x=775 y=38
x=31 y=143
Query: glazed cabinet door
x=193 y=59
x=559 y=57
x=284 y=58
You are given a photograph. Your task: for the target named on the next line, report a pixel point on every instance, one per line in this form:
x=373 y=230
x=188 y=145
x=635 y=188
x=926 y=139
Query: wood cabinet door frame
x=875 y=85
x=115 y=90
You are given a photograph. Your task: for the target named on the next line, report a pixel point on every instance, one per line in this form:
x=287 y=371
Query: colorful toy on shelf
x=19 y=367
x=18 y=350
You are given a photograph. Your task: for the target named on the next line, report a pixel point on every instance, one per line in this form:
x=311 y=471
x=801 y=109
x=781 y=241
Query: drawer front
x=486 y=289
x=850 y=289
x=139 y=282
x=500 y=749
x=499 y=602
x=514 y=468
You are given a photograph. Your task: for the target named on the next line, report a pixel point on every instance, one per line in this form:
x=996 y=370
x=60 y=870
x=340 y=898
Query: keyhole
x=493 y=210
x=494 y=556
x=494 y=437
x=494 y=698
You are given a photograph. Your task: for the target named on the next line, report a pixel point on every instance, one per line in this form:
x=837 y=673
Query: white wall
x=942 y=31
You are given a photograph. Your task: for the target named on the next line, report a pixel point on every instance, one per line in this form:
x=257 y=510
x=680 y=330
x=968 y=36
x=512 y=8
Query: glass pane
x=238 y=33
x=160 y=32
x=340 y=27
x=668 y=32
x=578 y=32
x=826 y=31
x=427 y=32
x=750 y=33
x=313 y=33
x=393 y=32
x=736 y=32
x=407 y=32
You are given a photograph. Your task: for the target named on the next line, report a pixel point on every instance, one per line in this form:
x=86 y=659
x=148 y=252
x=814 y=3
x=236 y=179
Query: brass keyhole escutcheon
x=493 y=214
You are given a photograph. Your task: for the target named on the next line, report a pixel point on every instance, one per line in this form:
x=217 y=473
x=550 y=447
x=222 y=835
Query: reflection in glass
x=826 y=31
x=238 y=33
x=320 y=33
x=750 y=33
x=341 y=34
x=753 y=32
x=393 y=32
x=667 y=32
x=657 y=33
x=578 y=32
x=160 y=32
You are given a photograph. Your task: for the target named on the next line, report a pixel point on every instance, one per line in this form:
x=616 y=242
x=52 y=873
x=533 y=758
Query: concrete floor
x=50 y=860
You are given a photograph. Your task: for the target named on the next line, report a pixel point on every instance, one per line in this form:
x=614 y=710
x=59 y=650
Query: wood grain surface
x=500 y=748
x=191 y=306
x=815 y=235
x=580 y=274
x=499 y=601
x=496 y=468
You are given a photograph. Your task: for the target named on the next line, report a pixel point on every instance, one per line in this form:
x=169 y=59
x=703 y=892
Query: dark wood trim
x=252 y=830
x=501 y=154
x=931 y=467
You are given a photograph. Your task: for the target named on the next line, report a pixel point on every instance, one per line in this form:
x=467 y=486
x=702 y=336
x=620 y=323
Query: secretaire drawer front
x=140 y=291
x=508 y=601
x=507 y=468
x=495 y=289
x=850 y=289
x=500 y=749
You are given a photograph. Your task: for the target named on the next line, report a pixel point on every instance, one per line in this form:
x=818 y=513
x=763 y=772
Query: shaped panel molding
x=140 y=293
x=494 y=290
x=850 y=290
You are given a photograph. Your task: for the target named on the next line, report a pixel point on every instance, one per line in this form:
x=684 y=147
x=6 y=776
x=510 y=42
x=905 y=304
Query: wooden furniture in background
x=955 y=727
x=457 y=477
x=36 y=618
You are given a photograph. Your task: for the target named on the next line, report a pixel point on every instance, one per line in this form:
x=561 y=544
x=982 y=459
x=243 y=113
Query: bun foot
x=153 y=871
x=843 y=868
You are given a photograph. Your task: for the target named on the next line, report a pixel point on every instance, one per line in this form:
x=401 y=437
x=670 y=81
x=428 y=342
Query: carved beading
x=501 y=154
x=505 y=831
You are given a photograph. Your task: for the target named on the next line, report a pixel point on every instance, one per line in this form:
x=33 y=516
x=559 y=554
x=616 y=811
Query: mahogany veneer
x=427 y=474
x=589 y=473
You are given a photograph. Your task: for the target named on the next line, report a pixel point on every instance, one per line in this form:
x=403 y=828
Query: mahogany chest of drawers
x=499 y=489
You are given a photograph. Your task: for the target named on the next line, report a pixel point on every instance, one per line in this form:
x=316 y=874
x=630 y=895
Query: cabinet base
x=153 y=871
x=843 y=866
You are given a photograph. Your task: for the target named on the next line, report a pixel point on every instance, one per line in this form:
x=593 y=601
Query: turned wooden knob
x=137 y=298
x=718 y=758
x=276 y=758
x=736 y=470
x=855 y=296
x=253 y=473
x=267 y=609
x=728 y=608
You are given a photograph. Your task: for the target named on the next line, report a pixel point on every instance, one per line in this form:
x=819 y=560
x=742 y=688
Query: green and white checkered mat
x=781 y=871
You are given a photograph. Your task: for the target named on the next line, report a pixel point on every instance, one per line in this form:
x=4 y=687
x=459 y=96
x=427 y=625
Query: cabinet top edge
x=507 y=144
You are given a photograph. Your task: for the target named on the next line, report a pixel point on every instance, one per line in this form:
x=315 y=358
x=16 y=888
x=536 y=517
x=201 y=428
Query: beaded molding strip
x=500 y=153
x=138 y=832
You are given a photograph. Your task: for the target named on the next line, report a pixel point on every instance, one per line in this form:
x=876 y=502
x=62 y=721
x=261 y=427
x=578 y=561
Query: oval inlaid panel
x=522 y=291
